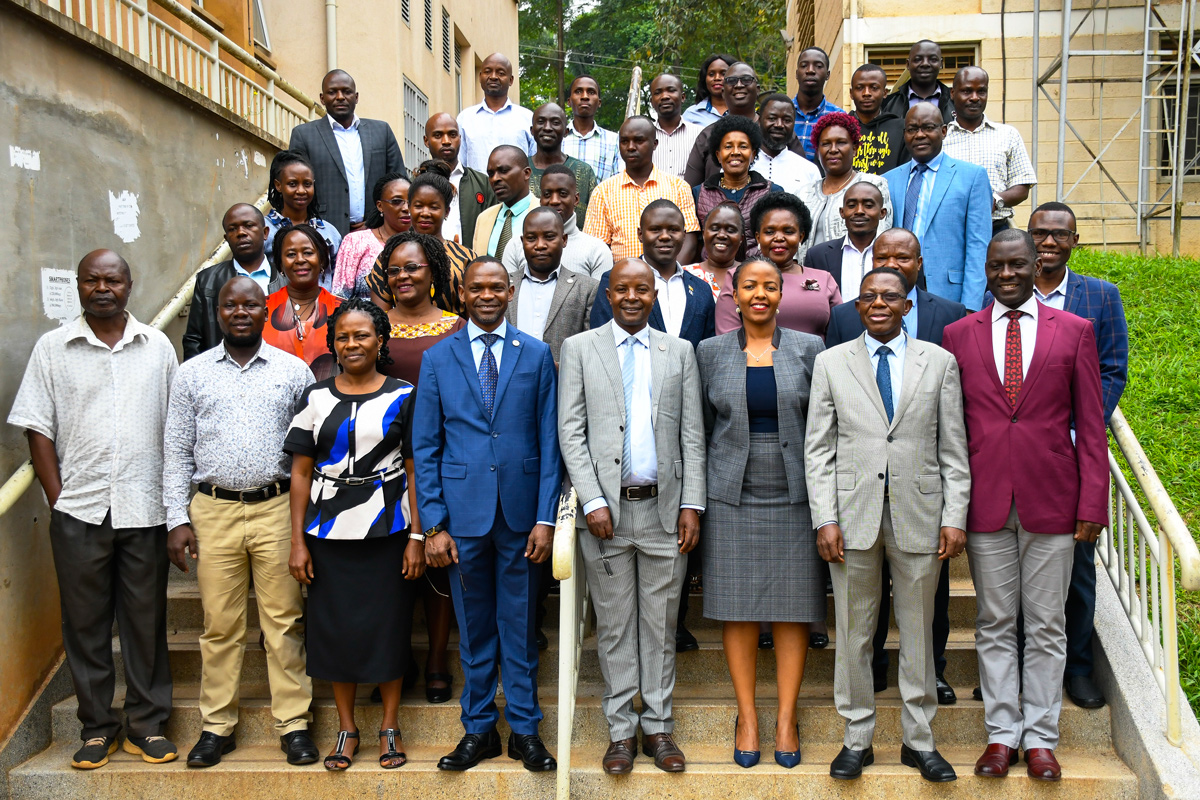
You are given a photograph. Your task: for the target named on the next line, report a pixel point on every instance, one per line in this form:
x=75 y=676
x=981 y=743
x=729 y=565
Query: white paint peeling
x=60 y=300
x=239 y=160
x=123 y=210
x=24 y=159
x=259 y=159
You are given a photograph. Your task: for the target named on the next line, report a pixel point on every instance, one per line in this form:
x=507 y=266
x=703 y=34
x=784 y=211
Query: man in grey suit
x=348 y=154
x=631 y=431
x=887 y=475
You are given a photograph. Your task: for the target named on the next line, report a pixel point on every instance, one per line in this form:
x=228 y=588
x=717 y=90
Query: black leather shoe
x=209 y=749
x=879 y=673
x=849 y=763
x=818 y=641
x=684 y=641
x=472 y=748
x=529 y=750
x=945 y=692
x=299 y=747
x=542 y=641
x=1084 y=692
x=977 y=694
x=930 y=762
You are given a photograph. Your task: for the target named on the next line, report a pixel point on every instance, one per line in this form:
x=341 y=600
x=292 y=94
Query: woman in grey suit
x=760 y=556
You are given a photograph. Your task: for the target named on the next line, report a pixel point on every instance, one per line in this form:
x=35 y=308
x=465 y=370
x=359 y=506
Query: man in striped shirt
x=587 y=141
x=675 y=134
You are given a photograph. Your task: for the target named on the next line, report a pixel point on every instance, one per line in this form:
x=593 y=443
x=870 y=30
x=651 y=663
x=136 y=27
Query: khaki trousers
x=235 y=540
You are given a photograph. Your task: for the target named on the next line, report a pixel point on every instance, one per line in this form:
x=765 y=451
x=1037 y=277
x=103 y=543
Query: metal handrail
x=22 y=479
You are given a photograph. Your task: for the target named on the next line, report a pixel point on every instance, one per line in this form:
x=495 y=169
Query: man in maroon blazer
x=1027 y=371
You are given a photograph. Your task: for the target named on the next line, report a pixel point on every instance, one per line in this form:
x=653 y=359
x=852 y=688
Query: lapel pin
x=662 y=347
x=691 y=290
x=516 y=342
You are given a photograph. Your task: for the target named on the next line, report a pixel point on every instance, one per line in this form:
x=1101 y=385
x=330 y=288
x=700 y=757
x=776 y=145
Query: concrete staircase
x=704 y=708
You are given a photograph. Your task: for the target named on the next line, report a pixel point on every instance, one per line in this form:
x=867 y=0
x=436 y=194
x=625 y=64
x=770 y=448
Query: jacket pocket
x=533 y=465
x=930 y=484
x=679 y=469
x=458 y=471
x=955 y=276
x=846 y=481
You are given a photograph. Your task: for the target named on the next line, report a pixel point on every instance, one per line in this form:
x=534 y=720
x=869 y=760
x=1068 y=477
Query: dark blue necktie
x=912 y=198
x=488 y=374
x=883 y=378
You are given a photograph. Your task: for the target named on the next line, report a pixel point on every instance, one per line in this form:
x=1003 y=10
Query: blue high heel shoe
x=744 y=758
x=789 y=760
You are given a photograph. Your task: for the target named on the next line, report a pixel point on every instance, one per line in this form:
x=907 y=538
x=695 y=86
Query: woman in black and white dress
x=353 y=515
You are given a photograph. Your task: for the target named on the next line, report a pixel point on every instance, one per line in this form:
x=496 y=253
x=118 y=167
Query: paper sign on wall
x=123 y=209
x=60 y=300
x=24 y=159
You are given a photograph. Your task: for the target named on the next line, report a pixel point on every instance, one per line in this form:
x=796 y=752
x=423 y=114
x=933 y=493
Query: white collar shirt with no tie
x=533 y=303
x=1028 y=324
x=483 y=130
x=452 y=225
x=261 y=274
x=349 y=144
x=105 y=410
x=673 y=149
x=791 y=171
x=672 y=299
x=1057 y=297
x=855 y=264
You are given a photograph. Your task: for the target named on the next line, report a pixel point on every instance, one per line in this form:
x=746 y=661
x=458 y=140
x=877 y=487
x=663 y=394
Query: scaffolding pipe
x=1033 y=95
x=331 y=34
x=1178 y=168
x=1062 y=99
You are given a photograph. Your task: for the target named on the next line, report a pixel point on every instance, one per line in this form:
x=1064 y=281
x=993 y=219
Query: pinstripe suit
x=849 y=447
x=637 y=576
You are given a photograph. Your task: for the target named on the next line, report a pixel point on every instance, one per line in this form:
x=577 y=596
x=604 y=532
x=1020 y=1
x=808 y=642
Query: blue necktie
x=628 y=372
x=912 y=198
x=883 y=377
x=488 y=374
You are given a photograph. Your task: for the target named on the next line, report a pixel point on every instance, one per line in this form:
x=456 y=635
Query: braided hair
x=383 y=328
x=285 y=158
x=374 y=217
x=435 y=255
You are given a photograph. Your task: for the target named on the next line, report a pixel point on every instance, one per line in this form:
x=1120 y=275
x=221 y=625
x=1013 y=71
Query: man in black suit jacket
x=348 y=154
x=848 y=258
x=246 y=235
x=899 y=249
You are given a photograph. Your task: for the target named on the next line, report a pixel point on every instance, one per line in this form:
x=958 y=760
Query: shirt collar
x=262 y=267
x=133 y=330
x=816 y=113
x=897 y=345
x=935 y=162
x=474 y=331
x=683 y=125
x=620 y=334
x=849 y=245
x=678 y=273
x=628 y=181
x=508 y=103
x=595 y=131
x=985 y=123
x=1029 y=307
x=337 y=126
x=1060 y=289
x=459 y=169
x=530 y=277
x=937 y=92
x=521 y=206
x=264 y=353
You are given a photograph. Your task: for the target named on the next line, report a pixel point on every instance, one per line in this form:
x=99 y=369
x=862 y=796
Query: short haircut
x=963 y=70
x=727 y=205
x=578 y=78
x=638 y=118
x=812 y=48
x=837 y=119
x=774 y=97
x=655 y=205
x=787 y=201
x=521 y=156
x=894 y=232
x=560 y=169
x=871 y=68
x=732 y=123
x=480 y=261
x=541 y=211
x=258 y=214
x=1054 y=205
x=926 y=41
x=1017 y=235
x=868 y=184
x=895 y=273
x=379 y=320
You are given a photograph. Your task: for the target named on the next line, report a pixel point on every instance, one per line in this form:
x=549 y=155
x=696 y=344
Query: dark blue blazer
x=1099 y=302
x=465 y=461
x=933 y=315
x=699 y=315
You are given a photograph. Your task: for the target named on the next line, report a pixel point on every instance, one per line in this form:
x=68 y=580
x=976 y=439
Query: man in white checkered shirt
x=996 y=147
x=585 y=140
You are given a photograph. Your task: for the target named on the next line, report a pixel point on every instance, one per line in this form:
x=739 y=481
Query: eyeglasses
x=407 y=269
x=1061 y=235
x=928 y=130
x=396 y=202
x=890 y=298
x=741 y=80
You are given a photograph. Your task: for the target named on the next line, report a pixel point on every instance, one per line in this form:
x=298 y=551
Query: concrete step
x=703 y=715
x=260 y=773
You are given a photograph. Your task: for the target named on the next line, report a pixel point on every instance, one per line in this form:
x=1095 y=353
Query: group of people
x=778 y=349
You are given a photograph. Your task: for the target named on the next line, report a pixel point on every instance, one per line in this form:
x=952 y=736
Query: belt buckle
x=243 y=492
x=356 y=481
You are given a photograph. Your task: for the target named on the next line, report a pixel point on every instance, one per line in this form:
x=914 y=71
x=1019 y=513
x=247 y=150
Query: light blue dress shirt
x=474 y=332
x=899 y=346
x=910 y=319
x=483 y=130
x=519 y=211
x=261 y=275
x=1057 y=298
x=920 y=222
x=350 y=146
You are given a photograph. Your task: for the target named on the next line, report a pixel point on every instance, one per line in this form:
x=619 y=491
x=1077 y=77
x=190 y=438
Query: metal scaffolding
x=1167 y=56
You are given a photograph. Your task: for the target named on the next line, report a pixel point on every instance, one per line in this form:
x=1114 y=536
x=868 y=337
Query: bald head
x=630 y=268
x=443 y=138
x=238 y=284
x=103 y=281
x=898 y=249
x=104 y=258
x=496 y=76
x=339 y=96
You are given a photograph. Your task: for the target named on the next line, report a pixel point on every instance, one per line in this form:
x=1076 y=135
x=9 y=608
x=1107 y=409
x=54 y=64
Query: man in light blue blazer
x=488 y=478
x=947 y=203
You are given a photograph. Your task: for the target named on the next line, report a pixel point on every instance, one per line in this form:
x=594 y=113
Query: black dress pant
x=107 y=573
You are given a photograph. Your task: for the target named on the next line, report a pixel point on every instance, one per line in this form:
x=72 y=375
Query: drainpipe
x=331 y=33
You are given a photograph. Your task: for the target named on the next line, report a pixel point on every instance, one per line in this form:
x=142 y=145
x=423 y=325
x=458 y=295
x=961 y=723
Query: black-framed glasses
x=741 y=80
x=929 y=129
x=408 y=269
x=891 y=298
x=1061 y=235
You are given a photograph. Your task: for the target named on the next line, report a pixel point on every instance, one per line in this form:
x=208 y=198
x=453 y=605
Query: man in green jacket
x=474 y=193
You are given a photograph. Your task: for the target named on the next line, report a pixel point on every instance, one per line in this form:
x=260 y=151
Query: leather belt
x=247 y=495
x=639 y=492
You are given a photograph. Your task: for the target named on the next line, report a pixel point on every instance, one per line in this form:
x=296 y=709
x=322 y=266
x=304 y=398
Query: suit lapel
x=326 y=133
x=510 y=314
x=983 y=338
x=508 y=363
x=562 y=288
x=1046 y=328
x=658 y=371
x=656 y=318
x=461 y=347
x=1075 y=296
x=925 y=311
x=860 y=368
x=606 y=351
x=914 y=370
x=941 y=184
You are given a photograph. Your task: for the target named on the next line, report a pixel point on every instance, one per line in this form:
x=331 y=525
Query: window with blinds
x=894 y=57
x=416 y=113
x=445 y=39
x=429 y=25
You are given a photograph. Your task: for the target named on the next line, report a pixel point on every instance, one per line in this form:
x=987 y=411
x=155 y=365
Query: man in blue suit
x=488 y=477
x=899 y=249
x=683 y=308
x=947 y=203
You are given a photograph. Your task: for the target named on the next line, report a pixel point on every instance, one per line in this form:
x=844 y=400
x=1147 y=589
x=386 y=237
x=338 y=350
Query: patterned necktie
x=505 y=233
x=883 y=378
x=1012 y=358
x=488 y=374
x=628 y=372
x=912 y=198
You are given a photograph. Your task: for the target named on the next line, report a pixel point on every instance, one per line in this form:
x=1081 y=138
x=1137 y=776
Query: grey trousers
x=635 y=580
x=856 y=598
x=1016 y=571
x=107 y=573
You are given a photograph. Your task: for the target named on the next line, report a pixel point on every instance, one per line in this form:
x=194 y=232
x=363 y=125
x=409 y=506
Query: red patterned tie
x=1012 y=357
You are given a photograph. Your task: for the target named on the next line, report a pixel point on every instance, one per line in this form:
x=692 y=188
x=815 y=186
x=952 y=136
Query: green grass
x=1162 y=399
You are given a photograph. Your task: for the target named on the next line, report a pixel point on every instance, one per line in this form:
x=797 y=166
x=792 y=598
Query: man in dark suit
x=246 y=234
x=848 y=258
x=929 y=316
x=1028 y=372
x=488 y=478
x=348 y=154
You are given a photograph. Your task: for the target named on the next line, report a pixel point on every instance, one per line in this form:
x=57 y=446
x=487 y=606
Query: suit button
x=880 y=474
x=889 y=438
x=495 y=435
x=1014 y=417
x=783 y=444
x=616 y=461
x=493 y=467
x=622 y=427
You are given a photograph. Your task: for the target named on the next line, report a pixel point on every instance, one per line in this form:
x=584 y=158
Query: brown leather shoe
x=667 y=755
x=618 y=759
x=995 y=761
x=1043 y=766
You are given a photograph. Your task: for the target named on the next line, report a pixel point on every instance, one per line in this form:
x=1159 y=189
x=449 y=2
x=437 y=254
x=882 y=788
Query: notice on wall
x=60 y=300
x=123 y=209
x=21 y=158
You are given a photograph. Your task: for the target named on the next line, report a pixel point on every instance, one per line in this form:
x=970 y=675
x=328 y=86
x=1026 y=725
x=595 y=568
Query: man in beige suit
x=886 y=452
x=631 y=431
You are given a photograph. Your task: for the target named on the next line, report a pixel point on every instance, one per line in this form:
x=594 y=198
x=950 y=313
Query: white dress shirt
x=1028 y=324
x=672 y=299
x=673 y=149
x=483 y=130
x=350 y=146
x=855 y=264
x=452 y=225
x=1057 y=297
x=474 y=332
x=792 y=171
x=533 y=303
x=899 y=347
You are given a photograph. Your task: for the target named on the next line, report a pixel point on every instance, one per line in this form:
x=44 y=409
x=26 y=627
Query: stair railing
x=1140 y=561
x=572 y=628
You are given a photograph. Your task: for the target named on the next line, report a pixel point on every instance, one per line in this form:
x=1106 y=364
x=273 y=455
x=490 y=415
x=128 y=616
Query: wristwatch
x=999 y=201
x=435 y=530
